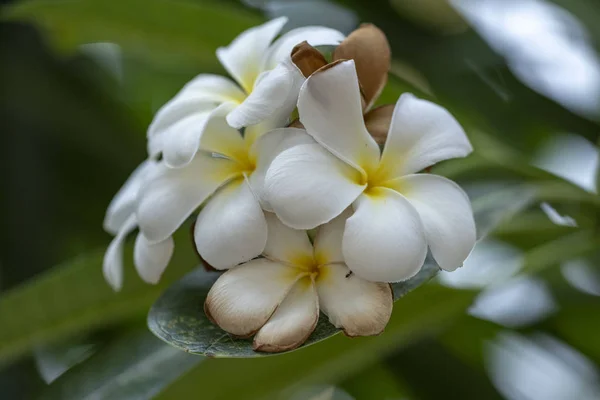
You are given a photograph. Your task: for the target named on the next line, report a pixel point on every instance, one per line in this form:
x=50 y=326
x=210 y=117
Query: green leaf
x=164 y=32
x=421 y=312
x=74 y=297
x=135 y=366
x=178 y=319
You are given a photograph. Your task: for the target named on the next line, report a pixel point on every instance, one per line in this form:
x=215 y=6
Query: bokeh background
x=80 y=81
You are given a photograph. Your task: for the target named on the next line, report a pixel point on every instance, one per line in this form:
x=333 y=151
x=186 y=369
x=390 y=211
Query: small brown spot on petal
x=307 y=58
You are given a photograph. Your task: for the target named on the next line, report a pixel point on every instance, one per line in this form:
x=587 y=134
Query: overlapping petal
x=220 y=138
x=243 y=299
x=193 y=103
x=328 y=241
x=151 y=259
x=122 y=205
x=307 y=186
x=384 y=240
x=446 y=214
x=330 y=109
x=285 y=244
x=171 y=195
x=421 y=134
x=243 y=58
x=231 y=228
x=293 y=321
x=275 y=91
x=266 y=149
x=359 y=307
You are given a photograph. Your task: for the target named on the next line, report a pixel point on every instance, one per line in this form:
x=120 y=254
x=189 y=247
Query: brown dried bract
x=370 y=50
x=378 y=122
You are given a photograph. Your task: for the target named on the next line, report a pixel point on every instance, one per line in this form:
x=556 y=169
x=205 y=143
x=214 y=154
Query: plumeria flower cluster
x=309 y=214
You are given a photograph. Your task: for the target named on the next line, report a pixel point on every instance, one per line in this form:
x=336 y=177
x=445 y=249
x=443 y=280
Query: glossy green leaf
x=170 y=33
x=178 y=319
x=74 y=297
x=420 y=312
x=134 y=366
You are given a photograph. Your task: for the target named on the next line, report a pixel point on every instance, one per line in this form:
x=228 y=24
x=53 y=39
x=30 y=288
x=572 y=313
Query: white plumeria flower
x=224 y=177
x=278 y=297
x=150 y=259
x=397 y=212
x=262 y=96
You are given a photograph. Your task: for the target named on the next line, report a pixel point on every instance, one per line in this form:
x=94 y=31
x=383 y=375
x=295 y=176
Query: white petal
x=293 y=321
x=275 y=93
x=266 y=149
x=359 y=307
x=122 y=205
x=207 y=131
x=199 y=96
x=330 y=109
x=421 y=134
x=243 y=57
x=151 y=259
x=219 y=137
x=446 y=213
x=231 y=228
x=314 y=35
x=285 y=244
x=222 y=89
x=384 y=241
x=328 y=241
x=112 y=265
x=307 y=186
x=179 y=143
x=171 y=195
x=244 y=298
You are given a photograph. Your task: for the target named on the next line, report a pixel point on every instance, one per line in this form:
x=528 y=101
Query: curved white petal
x=266 y=149
x=200 y=96
x=171 y=195
x=359 y=307
x=328 y=241
x=421 y=134
x=219 y=137
x=275 y=93
x=151 y=259
x=314 y=35
x=287 y=245
x=123 y=204
x=243 y=57
x=293 y=321
x=220 y=88
x=330 y=109
x=446 y=213
x=179 y=143
x=384 y=241
x=207 y=131
x=244 y=298
x=112 y=264
x=231 y=228
x=307 y=186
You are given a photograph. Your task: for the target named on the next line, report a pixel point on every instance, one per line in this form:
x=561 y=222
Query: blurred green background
x=80 y=82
